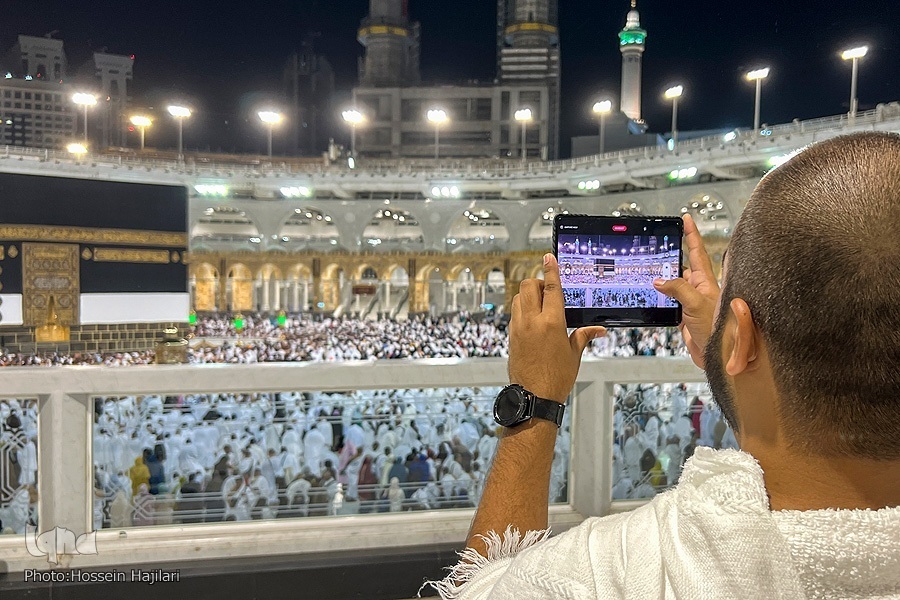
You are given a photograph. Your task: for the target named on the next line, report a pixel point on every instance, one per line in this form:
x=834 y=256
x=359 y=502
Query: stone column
x=276 y=290
x=317 y=283
x=295 y=304
x=386 y=305
x=64 y=466
x=222 y=286
x=305 y=296
x=265 y=293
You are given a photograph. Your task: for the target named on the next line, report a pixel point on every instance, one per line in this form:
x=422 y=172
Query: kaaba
x=88 y=252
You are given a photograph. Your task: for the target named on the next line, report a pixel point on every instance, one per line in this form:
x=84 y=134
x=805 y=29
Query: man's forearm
x=518 y=485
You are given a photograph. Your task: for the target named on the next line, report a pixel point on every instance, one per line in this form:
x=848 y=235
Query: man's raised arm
x=545 y=361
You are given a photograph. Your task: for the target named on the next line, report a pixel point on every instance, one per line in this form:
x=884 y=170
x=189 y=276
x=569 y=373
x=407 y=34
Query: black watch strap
x=548 y=410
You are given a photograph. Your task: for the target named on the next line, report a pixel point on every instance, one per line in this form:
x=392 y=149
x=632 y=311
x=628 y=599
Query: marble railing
x=66 y=414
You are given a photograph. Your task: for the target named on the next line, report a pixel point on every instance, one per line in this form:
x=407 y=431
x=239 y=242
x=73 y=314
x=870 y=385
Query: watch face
x=510 y=406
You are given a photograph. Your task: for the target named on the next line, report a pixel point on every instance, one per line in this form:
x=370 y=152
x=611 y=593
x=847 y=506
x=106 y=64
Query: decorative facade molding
x=129 y=255
x=93 y=235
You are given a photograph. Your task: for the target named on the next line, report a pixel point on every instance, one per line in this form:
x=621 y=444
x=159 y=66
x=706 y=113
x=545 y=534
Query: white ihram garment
x=713 y=536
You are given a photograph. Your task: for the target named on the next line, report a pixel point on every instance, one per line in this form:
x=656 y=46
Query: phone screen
x=607 y=266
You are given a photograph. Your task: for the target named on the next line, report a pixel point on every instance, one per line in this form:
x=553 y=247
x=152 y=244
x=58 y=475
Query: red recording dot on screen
x=620 y=228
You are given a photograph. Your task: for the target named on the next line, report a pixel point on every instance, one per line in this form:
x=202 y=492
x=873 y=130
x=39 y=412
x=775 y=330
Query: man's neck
x=796 y=480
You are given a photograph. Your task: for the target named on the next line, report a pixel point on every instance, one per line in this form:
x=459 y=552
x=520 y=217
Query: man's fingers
x=679 y=289
x=553 y=295
x=581 y=337
x=530 y=296
x=697 y=256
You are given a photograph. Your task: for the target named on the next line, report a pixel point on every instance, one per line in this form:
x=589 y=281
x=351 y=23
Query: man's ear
x=744 y=349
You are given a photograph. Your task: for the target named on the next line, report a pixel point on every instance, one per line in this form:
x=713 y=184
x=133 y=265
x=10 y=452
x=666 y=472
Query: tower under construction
x=392 y=45
x=479 y=119
x=528 y=54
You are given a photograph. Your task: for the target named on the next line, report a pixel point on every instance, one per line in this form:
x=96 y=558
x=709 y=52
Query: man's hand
x=542 y=358
x=698 y=293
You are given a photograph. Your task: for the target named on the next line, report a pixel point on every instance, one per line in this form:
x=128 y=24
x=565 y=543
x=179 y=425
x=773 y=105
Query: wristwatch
x=515 y=405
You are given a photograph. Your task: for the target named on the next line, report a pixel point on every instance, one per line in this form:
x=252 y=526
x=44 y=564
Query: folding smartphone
x=607 y=266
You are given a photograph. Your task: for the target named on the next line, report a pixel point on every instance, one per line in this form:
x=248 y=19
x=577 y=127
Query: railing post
x=65 y=473
x=592 y=430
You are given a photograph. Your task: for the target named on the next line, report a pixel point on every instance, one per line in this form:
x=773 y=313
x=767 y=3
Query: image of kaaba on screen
x=91 y=252
x=616 y=271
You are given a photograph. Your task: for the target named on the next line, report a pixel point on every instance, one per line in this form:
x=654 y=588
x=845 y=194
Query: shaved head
x=816 y=256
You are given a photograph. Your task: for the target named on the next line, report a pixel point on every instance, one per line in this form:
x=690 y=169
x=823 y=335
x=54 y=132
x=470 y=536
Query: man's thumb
x=580 y=338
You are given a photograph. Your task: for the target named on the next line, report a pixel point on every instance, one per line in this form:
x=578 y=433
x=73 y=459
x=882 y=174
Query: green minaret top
x=632 y=35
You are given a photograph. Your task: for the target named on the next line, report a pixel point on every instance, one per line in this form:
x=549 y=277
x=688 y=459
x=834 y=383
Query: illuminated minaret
x=631 y=44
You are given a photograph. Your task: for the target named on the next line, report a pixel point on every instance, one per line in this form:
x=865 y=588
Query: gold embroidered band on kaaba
x=131 y=255
x=92 y=235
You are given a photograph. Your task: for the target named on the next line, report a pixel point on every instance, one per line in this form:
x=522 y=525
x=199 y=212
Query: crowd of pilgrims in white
x=338 y=339
x=656 y=428
x=209 y=458
x=237 y=457
x=591 y=278
x=633 y=297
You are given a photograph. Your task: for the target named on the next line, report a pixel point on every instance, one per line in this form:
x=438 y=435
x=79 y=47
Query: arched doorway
x=395 y=302
x=541 y=232
x=364 y=290
x=309 y=228
x=332 y=284
x=437 y=293
x=225 y=228
x=628 y=209
x=239 y=288
x=205 y=288
x=392 y=229
x=495 y=292
x=477 y=230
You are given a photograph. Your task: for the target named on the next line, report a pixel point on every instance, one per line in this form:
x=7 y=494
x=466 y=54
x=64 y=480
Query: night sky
x=225 y=57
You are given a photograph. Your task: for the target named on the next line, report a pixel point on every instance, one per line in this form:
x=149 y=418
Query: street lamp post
x=271 y=118
x=180 y=113
x=757 y=76
x=142 y=123
x=524 y=116
x=854 y=54
x=601 y=109
x=87 y=101
x=437 y=117
x=673 y=94
x=353 y=118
